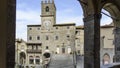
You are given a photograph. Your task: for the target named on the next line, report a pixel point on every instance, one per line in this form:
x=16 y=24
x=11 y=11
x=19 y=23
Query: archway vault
x=92 y=16
x=114 y=12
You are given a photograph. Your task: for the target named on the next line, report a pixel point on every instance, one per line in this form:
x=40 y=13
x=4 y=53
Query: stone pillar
x=92 y=41
x=7 y=33
x=10 y=42
x=3 y=33
x=117 y=44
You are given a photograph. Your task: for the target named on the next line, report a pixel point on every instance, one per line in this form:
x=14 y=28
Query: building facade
x=107 y=49
x=48 y=37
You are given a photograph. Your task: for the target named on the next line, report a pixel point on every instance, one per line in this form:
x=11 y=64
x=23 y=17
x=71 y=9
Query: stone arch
x=37 y=59
x=47 y=9
x=114 y=12
x=92 y=16
x=57 y=49
x=106 y=58
x=31 y=60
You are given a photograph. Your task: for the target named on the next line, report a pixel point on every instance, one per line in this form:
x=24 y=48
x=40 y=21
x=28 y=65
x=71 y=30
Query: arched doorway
x=92 y=16
x=57 y=50
x=37 y=60
x=69 y=50
x=106 y=59
x=31 y=60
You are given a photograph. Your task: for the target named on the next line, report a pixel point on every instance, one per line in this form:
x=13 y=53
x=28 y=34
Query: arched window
x=38 y=37
x=30 y=38
x=63 y=50
x=37 y=60
x=68 y=36
x=57 y=50
x=31 y=60
x=56 y=37
x=47 y=38
x=47 y=47
x=69 y=50
x=47 y=9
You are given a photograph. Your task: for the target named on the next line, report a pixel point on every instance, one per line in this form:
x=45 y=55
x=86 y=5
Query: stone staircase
x=61 y=61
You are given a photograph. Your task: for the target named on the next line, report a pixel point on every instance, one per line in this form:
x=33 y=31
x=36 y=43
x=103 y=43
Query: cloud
x=78 y=20
x=24 y=18
x=29 y=15
x=105 y=20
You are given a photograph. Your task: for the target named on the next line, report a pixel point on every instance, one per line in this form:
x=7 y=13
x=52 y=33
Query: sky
x=29 y=11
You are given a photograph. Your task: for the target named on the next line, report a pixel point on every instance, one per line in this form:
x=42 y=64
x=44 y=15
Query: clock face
x=47 y=24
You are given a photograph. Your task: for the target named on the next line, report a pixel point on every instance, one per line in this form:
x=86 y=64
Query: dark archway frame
x=8 y=14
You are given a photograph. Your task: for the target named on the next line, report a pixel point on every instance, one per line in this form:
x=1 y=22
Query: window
x=47 y=38
x=47 y=9
x=30 y=38
x=58 y=49
x=68 y=36
x=69 y=50
x=78 y=45
x=38 y=28
x=30 y=28
x=56 y=27
x=38 y=38
x=78 y=51
x=31 y=60
x=37 y=60
x=68 y=27
x=47 y=47
x=63 y=50
x=56 y=37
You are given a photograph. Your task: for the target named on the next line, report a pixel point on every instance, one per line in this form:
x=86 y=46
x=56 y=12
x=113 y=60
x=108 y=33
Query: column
x=117 y=44
x=7 y=34
x=10 y=42
x=92 y=41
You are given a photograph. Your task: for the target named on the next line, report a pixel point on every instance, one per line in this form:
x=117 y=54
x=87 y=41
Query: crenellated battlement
x=47 y=1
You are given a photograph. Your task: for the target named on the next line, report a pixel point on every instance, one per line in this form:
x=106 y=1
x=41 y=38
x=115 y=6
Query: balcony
x=34 y=51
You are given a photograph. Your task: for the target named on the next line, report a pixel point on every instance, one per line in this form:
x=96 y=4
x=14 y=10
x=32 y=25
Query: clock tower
x=48 y=13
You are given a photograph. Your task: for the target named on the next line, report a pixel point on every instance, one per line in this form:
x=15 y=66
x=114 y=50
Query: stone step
x=61 y=61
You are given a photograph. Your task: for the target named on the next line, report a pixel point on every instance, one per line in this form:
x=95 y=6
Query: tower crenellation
x=47 y=1
x=52 y=1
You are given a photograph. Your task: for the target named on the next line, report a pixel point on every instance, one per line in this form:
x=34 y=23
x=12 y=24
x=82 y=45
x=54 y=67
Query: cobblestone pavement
x=80 y=62
x=65 y=61
x=61 y=61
